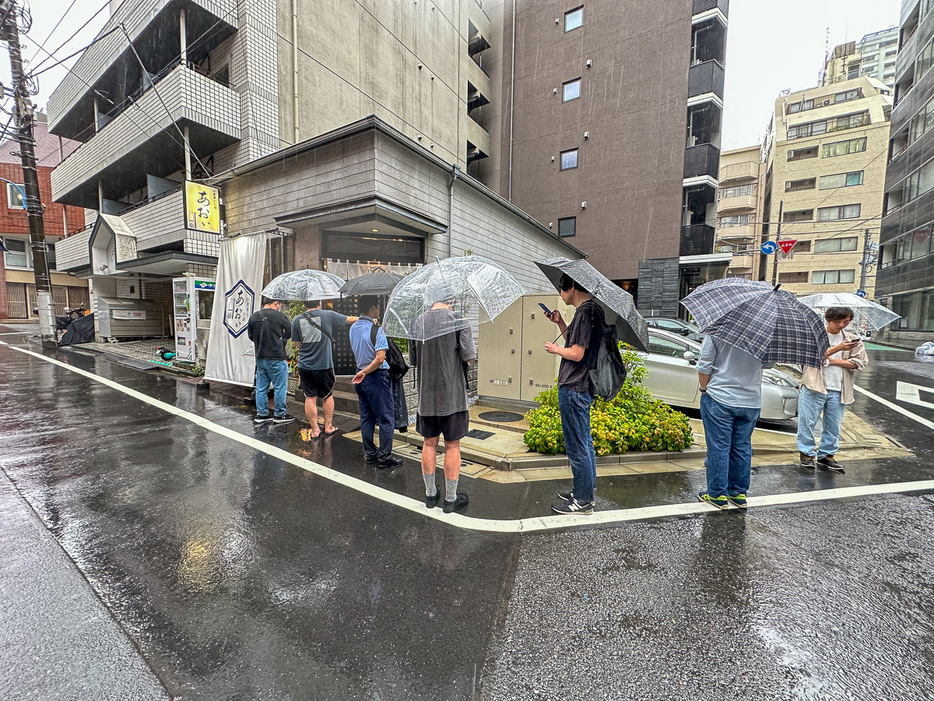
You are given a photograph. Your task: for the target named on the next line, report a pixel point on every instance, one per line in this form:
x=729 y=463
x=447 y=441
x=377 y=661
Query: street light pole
x=778 y=236
x=23 y=113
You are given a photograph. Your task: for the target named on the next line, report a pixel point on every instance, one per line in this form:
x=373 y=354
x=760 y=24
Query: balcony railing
x=696 y=240
x=738 y=171
x=706 y=77
x=701 y=6
x=703 y=159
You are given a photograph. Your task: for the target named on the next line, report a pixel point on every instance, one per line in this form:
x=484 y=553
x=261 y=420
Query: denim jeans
x=578 y=443
x=275 y=373
x=376 y=408
x=728 y=433
x=810 y=406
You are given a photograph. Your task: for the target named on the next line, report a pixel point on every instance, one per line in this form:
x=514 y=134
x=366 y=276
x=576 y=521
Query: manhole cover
x=478 y=434
x=503 y=417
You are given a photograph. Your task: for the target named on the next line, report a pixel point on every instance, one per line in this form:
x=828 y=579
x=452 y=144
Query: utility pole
x=867 y=256
x=23 y=114
x=778 y=236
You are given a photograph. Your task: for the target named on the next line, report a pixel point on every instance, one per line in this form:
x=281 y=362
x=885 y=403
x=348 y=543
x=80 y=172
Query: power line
x=76 y=32
x=49 y=35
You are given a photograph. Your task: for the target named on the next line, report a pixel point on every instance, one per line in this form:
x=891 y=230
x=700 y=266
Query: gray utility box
x=129 y=318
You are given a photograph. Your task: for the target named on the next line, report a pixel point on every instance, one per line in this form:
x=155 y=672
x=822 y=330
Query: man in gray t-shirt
x=442 y=399
x=315 y=331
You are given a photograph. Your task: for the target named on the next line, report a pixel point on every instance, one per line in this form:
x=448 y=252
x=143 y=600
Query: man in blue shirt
x=315 y=331
x=374 y=390
x=731 y=397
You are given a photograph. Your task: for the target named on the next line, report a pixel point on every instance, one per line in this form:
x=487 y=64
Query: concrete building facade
x=873 y=56
x=17 y=278
x=825 y=183
x=906 y=271
x=740 y=205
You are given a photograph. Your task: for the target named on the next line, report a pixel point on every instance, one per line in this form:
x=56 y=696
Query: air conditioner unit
x=825 y=103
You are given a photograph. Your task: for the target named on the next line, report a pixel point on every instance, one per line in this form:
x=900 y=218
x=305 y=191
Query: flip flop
x=331 y=433
x=315 y=435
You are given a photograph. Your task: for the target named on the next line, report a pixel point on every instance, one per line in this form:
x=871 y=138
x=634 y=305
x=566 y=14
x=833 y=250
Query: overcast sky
x=771 y=46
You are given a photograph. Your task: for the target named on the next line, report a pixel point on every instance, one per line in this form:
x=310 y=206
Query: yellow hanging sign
x=202 y=208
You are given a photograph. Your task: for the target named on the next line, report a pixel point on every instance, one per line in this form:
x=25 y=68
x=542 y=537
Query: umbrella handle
x=777 y=286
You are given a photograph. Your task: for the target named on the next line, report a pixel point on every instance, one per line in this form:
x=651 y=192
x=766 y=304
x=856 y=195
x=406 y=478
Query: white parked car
x=672 y=377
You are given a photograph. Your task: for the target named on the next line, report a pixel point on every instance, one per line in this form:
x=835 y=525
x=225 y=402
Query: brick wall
x=16 y=221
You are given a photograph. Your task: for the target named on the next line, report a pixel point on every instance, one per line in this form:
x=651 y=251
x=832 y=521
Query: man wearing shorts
x=442 y=401
x=315 y=331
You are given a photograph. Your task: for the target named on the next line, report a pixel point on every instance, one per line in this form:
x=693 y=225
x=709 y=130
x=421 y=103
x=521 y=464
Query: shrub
x=633 y=420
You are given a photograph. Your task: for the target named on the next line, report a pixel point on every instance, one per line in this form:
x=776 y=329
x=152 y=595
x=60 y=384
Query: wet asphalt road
x=149 y=558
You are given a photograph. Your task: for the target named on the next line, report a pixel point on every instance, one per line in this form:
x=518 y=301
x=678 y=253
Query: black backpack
x=609 y=372
x=397 y=364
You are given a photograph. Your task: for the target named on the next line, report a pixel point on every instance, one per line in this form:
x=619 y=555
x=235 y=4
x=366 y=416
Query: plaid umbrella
x=761 y=320
x=617 y=304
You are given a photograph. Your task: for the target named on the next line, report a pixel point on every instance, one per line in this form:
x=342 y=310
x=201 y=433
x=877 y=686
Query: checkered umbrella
x=761 y=320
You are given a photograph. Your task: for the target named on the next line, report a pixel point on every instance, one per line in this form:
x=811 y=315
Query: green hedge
x=633 y=420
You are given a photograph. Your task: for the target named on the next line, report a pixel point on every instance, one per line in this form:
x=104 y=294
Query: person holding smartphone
x=827 y=391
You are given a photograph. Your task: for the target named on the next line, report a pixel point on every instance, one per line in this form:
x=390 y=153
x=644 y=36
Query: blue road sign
x=861 y=293
x=769 y=247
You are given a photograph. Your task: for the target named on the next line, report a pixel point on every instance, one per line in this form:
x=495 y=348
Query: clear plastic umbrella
x=867 y=313
x=304 y=285
x=617 y=304
x=475 y=288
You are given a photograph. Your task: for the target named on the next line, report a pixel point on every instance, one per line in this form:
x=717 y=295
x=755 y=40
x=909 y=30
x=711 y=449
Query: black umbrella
x=617 y=304
x=371 y=284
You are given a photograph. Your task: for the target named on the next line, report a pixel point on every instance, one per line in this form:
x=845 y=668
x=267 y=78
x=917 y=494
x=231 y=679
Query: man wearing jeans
x=269 y=329
x=374 y=390
x=828 y=390
x=575 y=395
x=731 y=396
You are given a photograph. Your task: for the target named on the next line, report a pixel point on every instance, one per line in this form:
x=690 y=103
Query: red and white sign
x=787 y=245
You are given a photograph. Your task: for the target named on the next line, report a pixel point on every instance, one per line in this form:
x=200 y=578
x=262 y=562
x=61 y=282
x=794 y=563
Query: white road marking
x=524 y=525
x=911 y=393
x=890 y=405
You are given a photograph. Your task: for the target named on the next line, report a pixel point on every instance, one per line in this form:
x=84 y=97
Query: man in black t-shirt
x=575 y=394
x=270 y=329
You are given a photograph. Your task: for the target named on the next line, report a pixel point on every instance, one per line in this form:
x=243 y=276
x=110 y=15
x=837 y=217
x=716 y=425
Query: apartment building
x=873 y=56
x=825 y=183
x=906 y=270
x=614 y=139
x=17 y=277
x=740 y=205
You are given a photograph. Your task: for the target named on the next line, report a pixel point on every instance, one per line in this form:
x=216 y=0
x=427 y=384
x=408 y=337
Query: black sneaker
x=432 y=502
x=566 y=496
x=831 y=464
x=284 y=419
x=459 y=503
x=370 y=461
x=262 y=419
x=806 y=460
x=572 y=506
x=391 y=461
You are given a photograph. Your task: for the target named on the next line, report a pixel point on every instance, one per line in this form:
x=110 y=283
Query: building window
x=802 y=106
x=831 y=182
x=846 y=211
x=567 y=226
x=843 y=148
x=833 y=277
x=573 y=18
x=798 y=154
x=569 y=159
x=735 y=191
x=799 y=215
x=796 y=185
x=737 y=220
x=572 y=90
x=849 y=121
x=16 y=254
x=14 y=196
x=786 y=278
x=848 y=243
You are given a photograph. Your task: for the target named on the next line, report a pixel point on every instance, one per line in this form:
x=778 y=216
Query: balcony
x=144 y=139
x=733 y=204
x=696 y=240
x=734 y=234
x=704 y=78
x=153 y=25
x=736 y=172
x=701 y=160
x=702 y=6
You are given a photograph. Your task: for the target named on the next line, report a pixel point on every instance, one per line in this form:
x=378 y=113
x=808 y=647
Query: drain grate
x=478 y=434
x=503 y=417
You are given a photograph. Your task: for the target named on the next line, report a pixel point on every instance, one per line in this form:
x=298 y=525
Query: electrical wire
x=57 y=24
x=76 y=32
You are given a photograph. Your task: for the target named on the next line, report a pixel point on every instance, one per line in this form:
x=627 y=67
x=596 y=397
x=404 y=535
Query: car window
x=670 y=326
x=662 y=346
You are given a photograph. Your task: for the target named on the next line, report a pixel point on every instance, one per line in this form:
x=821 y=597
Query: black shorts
x=453 y=426
x=317 y=383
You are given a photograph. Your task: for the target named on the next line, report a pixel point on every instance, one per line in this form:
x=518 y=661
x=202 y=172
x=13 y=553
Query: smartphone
x=545 y=309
